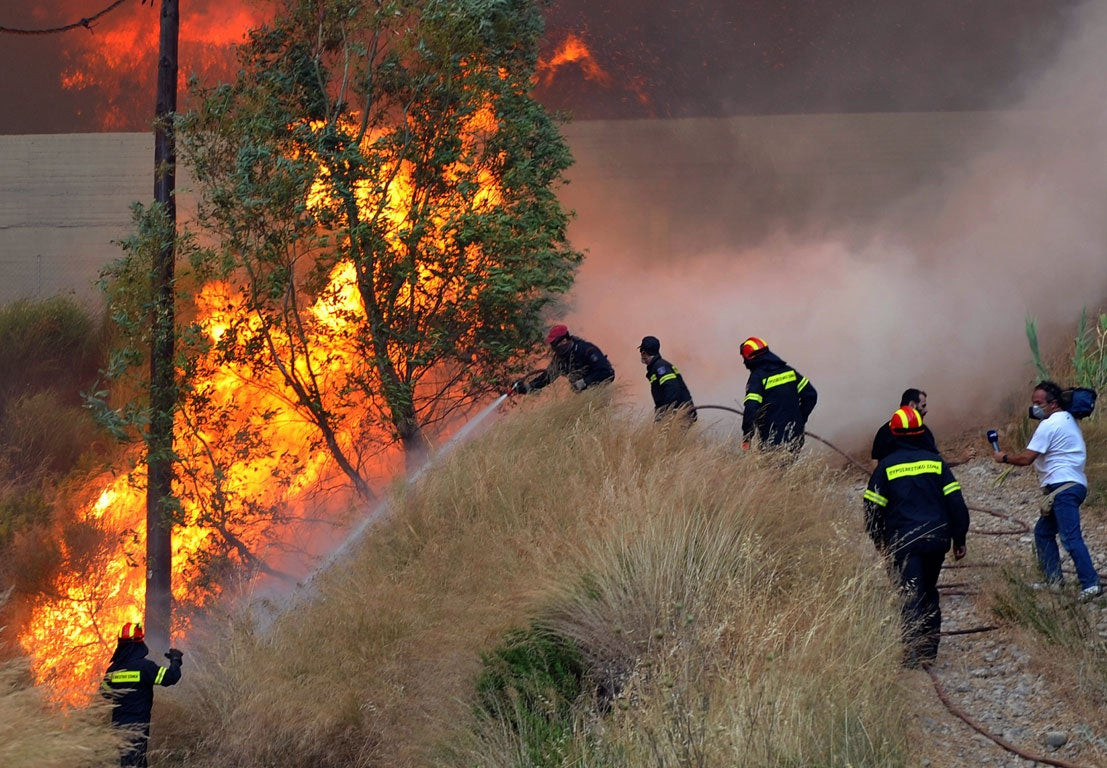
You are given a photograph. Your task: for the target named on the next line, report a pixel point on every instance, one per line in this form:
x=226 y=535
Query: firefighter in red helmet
x=129 y=683
x=580 y=361
x=778 y=399
x=914 y=513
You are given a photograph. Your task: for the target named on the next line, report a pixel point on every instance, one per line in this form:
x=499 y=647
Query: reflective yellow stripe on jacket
x=125 y=676
x=753 y=396
x=161 y=674
x=954 y=486
x=926 y=467
x=876 y=498
x=780 y=378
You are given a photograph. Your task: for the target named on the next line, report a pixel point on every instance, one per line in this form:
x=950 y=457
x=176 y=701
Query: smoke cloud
x=912 y=271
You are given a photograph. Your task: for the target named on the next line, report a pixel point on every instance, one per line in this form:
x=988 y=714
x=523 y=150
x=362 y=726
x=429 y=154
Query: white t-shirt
x=1059 y=441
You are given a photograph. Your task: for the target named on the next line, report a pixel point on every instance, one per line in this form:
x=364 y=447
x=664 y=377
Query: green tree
x=381 y=188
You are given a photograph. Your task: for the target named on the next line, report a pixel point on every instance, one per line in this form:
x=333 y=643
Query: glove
x=520 y=387
x=174 y=655
x=579 y=385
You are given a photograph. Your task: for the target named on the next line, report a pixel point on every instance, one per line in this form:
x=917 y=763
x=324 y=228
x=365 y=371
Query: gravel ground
x=1005 y=679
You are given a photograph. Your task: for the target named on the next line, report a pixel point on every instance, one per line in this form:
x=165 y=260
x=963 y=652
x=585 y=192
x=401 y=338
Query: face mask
x=1037 y=412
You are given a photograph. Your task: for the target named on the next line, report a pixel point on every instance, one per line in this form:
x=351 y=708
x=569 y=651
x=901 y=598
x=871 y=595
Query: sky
x=648 y=59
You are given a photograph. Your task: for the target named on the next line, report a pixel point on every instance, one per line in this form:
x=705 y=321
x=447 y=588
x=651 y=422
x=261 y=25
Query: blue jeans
x=1064 y=522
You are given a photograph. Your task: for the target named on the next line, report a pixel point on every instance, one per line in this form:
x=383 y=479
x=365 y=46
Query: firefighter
x=914 y=512
x=129 y=683
x=884 y=443
x=667 y=386
x=580 y=361
x=778 y=399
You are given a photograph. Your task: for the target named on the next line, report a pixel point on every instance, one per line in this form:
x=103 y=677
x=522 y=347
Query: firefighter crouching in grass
x=778 y=399
x=580 y=361
x=129 y=683
x=914 y=511
x=670 y=393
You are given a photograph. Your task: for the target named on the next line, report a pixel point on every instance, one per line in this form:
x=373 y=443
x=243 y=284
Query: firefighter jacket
x=583 y=364
x=130 y=681
x=667 y=386
x=913 y=501
x=778 y=400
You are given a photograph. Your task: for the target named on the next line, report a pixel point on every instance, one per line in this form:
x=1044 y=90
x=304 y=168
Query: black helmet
x=650 y=345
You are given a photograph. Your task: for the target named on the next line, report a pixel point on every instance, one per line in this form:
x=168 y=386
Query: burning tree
x=377 y=237
x=380 y=186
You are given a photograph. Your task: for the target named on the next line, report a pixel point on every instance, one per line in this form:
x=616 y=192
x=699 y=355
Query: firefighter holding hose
x=129 y=683
x=579 y=361
x=778 y=399
x=667 y=388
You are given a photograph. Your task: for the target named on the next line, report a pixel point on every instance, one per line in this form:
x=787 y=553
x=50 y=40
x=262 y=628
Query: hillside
x=678 y=595
x=581 y=586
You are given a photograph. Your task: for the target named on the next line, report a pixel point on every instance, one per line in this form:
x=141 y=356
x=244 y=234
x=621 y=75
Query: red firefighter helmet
x=132 y=630
x=752 y=347
x=557 y=332
x=906 y=421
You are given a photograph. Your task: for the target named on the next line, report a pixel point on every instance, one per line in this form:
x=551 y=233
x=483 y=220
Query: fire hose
x=950 y=589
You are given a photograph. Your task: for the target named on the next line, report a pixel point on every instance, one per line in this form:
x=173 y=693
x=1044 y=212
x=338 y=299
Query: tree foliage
x=380 y=189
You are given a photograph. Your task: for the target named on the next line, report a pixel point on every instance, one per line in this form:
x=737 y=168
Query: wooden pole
x=163 y=394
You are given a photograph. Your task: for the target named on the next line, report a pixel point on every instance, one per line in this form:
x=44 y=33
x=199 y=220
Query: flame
x=71 y=633
x=573 y=50
x=118 y=60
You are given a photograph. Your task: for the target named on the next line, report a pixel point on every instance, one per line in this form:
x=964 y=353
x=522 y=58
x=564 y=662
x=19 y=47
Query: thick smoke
x=917 y=271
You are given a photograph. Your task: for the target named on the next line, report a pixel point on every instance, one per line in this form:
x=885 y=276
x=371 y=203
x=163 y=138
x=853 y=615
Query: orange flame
x=573 y=50
x=70 y=635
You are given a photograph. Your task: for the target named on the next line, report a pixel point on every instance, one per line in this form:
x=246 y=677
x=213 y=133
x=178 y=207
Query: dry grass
x=728 y=600
x=33 y=734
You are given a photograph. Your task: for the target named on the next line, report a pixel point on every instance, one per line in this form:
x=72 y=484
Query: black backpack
x=1079 y=401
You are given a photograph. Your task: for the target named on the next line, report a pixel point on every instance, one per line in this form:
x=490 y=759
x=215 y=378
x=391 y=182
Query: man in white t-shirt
x=1058 y=454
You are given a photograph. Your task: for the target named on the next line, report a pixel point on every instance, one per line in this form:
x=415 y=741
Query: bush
x=530 y=683
x=52 y=344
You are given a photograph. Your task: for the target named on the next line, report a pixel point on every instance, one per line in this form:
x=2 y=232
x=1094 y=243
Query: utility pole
x=163 y=391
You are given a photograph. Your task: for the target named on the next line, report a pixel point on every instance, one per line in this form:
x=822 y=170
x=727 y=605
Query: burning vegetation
x=377 y=238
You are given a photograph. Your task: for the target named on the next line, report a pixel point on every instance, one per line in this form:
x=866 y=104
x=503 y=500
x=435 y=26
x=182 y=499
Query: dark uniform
x=913 y=511
x=582 y=363
x=667 y=388
x=778 y=401
x=129 y=683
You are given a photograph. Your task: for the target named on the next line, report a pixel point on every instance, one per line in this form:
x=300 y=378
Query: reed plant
x=1085 y=366
x=579 y=586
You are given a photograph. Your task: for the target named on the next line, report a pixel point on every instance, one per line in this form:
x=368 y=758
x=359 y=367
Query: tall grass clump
x=35 y=734
x=50 y=352
x=1064 y=629
x=573 y=588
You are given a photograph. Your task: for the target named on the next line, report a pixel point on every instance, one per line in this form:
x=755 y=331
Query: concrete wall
x=705 y=183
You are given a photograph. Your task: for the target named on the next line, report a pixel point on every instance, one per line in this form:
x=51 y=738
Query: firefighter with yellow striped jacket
x=914 y=512
x=129 y=683
x=778 y=399
x=670 y=393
